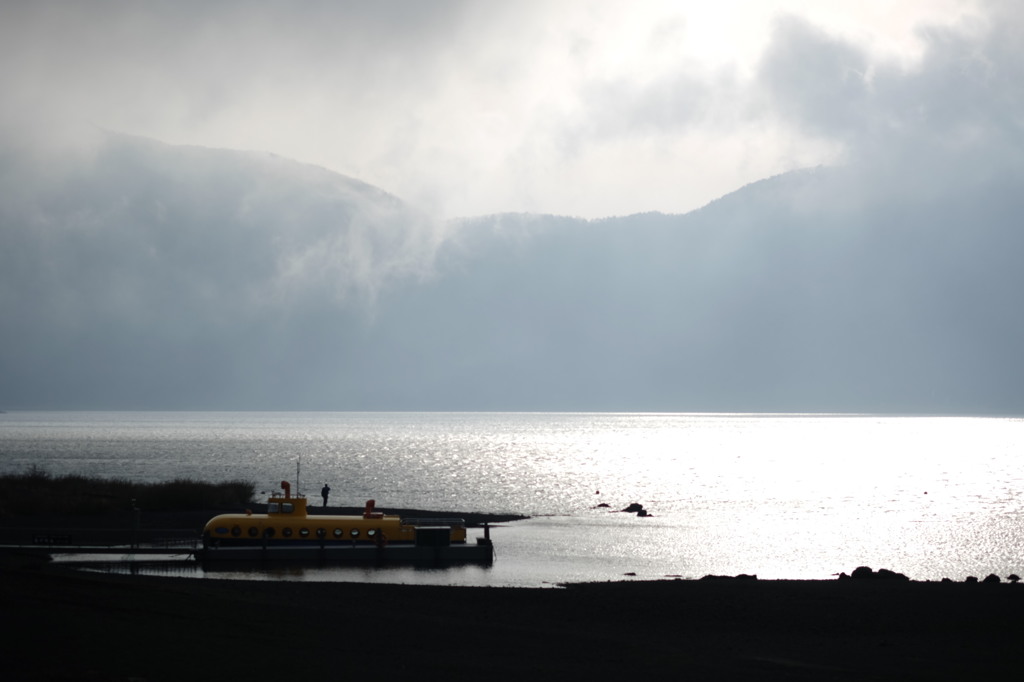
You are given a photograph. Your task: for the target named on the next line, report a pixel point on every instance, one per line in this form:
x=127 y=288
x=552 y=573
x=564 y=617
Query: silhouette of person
x=325 y=491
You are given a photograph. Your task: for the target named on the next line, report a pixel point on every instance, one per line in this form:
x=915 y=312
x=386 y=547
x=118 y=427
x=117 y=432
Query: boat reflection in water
x=288 y=534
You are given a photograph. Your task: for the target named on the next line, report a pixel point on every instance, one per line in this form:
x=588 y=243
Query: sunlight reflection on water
x=783 y=496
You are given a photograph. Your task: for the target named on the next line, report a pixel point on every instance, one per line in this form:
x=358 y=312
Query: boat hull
x=343 y=554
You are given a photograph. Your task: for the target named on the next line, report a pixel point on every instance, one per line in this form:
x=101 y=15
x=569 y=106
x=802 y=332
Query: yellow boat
x=288 y=532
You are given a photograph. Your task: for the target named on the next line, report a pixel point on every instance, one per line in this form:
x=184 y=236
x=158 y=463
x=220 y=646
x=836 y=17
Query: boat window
x=273 y=508
x=253 y=531
x=338 y=532
x=268 y=532
x=287 y=532
x=371 y=533
x=236 y=530
x=304 y=532
x=354 y=532
x=221 y=530
x=287 y=507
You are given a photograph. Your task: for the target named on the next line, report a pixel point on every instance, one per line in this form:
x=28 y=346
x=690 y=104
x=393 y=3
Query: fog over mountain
x=874 y=268
x=140 y=275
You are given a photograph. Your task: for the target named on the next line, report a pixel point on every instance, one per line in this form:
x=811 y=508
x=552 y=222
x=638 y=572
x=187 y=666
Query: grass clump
x=37 y=493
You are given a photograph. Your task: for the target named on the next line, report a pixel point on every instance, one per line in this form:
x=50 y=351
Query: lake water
x=780 y=496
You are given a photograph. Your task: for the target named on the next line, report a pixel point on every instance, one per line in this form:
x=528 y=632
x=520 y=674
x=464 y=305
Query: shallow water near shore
x=780 y=496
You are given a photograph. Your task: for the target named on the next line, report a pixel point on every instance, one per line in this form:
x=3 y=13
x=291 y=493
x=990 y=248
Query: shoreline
x=145 y=627
x=108 y=626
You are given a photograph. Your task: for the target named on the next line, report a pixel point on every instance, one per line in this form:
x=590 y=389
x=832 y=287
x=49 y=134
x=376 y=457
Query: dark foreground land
x=67 y=625
x=64 y=625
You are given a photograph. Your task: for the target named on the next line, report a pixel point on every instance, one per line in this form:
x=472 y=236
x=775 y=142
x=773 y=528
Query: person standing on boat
x=324 y=492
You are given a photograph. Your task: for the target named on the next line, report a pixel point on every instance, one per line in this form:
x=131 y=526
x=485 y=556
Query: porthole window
x=304 y=532
x=371 y=533
x=268 y=532
x=320 y=532
x=236 y=530
x=253 y=531
x=287 y=532
x=354 y=532
x=338 y=533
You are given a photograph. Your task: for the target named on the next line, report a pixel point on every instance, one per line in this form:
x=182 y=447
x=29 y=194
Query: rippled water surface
x=782 y=496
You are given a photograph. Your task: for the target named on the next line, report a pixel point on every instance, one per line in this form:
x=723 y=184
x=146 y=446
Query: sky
x=148 y=267
x=586 y=109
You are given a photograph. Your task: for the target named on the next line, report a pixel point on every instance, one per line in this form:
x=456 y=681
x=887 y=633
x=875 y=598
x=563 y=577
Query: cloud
x=139 y=273
x=462 y=107
x=587 y=109
x=813 y=81
x=941 y=124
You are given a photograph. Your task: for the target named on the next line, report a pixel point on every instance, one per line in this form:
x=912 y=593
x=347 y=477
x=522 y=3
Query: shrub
x=37 y=493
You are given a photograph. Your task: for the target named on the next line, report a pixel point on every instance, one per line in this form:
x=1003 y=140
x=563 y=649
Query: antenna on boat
x=298 y=467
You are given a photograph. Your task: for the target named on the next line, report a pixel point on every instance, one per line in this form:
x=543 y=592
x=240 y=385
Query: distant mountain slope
x=140 y=273
x=801 y=292
x=154 y=276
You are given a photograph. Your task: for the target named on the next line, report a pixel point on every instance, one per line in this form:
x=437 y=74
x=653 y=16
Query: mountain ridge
x=174 y=277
